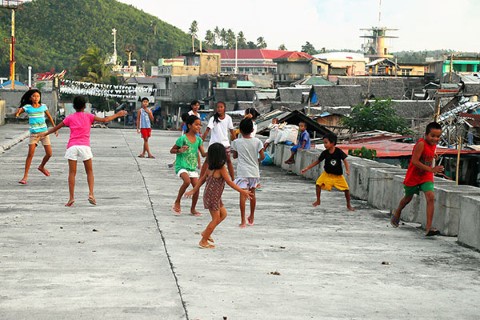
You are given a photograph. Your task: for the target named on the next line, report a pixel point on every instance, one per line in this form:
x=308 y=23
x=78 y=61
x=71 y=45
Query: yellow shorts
x=327 y=181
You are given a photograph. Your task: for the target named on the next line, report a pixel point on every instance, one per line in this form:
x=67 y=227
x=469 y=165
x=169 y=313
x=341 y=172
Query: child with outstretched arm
x=332 y=176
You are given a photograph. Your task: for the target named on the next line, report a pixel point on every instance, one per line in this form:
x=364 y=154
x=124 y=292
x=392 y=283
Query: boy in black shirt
x=332 y=176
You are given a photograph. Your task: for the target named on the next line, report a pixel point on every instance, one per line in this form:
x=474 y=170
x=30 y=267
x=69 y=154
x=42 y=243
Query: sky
x=329 y=24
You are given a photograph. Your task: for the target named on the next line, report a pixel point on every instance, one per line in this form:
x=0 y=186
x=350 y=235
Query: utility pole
x=13 y=5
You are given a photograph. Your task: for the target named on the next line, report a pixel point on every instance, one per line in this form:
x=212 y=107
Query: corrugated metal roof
x=249 y=53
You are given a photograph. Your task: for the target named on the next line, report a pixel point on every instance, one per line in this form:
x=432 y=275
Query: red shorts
x=146 y=132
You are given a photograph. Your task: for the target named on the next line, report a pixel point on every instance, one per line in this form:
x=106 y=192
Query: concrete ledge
x=381 y=185
x=10 y=143
x=469 y=227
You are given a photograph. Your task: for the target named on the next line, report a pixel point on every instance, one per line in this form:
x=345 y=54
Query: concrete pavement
x=129 y=257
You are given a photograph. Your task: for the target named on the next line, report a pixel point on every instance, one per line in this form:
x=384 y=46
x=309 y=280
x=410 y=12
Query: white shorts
x=247 y=183
x=82 y=153
x=191 y=174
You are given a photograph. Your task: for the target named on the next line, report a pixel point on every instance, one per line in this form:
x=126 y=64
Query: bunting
x=105 y=90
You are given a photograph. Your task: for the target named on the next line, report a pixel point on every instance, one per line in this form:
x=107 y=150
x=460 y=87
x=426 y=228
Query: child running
x=216 y=175
x=31 y=103
x=144 y=127
x=78 y=147
x=419 y=176
x=220 y=125
x=186 y=149
x=249 y=152
x=332 y=176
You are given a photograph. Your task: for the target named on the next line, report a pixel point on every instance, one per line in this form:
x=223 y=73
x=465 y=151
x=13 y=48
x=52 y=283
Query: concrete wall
x=457 y=208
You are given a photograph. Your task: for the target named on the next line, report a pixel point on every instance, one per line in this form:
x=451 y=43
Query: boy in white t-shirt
x=248 y=151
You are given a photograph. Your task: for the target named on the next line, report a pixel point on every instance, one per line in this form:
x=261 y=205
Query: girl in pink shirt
x=78 y=147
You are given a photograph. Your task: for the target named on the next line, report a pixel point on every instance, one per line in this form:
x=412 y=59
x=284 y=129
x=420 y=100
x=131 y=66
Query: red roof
x=393 y=149
x=296 y=55
x=249 y=53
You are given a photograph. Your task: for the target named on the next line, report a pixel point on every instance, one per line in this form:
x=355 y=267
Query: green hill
x=53 y=34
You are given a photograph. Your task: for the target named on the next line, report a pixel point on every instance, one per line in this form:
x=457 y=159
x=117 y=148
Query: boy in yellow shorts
x=332 y=176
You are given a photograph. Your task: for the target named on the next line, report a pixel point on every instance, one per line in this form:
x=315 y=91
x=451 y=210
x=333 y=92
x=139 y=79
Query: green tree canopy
x=378 y=115
x=309 y=48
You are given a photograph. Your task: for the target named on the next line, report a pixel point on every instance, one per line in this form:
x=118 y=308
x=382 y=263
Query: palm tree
x=193 y=32
x=210 y=38
x=261 y=44
x=230 y=39
x=216 y=32
x=241 y=41
x=92 y=62
x=223 y=37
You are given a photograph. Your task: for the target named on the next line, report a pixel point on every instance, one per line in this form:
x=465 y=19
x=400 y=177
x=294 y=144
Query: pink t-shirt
x=80 y=124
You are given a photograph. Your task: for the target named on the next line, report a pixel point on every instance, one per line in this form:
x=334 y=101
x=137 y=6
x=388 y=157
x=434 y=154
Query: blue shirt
x=36 y=117
x=304 y=136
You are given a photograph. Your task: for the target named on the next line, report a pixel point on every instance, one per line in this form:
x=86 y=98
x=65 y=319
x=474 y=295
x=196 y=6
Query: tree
x=223 y=37
x=282 y=47
x=92 y=66
x=241 y=41
x=210 y=38
x=216 y=31
x=309 y=48
x=230 y=39
x=261 y=44
x=378 y=115
x=193 y=32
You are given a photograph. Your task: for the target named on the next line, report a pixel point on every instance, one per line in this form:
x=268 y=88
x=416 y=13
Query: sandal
x=23 y=181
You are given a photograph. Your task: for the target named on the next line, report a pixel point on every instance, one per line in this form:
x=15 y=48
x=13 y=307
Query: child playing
x=194 y=106
x=302 y=143
x=186 y=148
x=332 y=176
x=31 y=103
x=419 y=176
x=220 y=124
x=247 y=150
x=78 y=147
x=144 y=116
x=216 y=176
x=252 y=113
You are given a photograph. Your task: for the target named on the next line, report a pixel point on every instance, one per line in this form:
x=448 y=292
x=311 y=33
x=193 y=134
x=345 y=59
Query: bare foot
x=242 y=225
x=44 y=171
x=250 y=221
x=350 y=208
x=196 y=213
x=316 y=203
x=205 y=245
x=176 y=208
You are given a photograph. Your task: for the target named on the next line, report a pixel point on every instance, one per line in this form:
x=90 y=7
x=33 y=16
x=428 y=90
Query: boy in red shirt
x=419 y=176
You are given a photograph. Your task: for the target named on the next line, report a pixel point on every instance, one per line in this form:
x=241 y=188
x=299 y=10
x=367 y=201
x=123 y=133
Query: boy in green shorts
x=419 y=176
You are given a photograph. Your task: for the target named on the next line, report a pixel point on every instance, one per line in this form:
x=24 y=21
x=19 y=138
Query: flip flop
x=44 y=171
x=209 y=238
x=432 y=232
x=151 y=157
x=69 y=203
x=92 y=201
x=141 y=156
x=208 y=246
x=23 y=181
